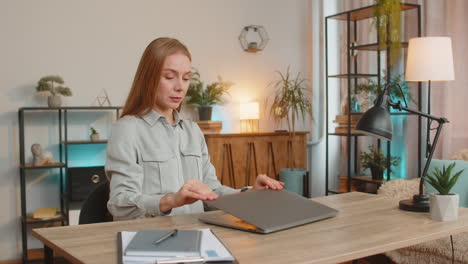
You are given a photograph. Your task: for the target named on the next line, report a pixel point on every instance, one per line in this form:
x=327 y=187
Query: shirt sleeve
x=126 y=200
x=209 y=172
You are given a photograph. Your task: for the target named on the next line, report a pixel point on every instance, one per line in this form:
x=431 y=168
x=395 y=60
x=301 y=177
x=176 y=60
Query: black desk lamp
x=429 y=59
x=377 y=122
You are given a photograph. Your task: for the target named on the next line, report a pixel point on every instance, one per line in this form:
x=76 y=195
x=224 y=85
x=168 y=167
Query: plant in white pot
x=205 y=97
x=52 y=85
x=291 y=101
x=444 y=205
x=94 y=134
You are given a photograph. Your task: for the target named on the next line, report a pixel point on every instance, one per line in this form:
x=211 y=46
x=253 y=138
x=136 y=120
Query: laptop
x=266 y=211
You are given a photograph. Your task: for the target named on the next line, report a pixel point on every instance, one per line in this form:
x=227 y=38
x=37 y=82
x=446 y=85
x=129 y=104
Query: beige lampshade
x=249 y=111
x=430 y=59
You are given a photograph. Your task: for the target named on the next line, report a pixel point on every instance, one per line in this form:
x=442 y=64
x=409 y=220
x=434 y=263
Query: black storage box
x=83 y=180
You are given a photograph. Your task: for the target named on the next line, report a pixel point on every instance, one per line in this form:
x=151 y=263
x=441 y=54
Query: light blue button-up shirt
x=147 y=158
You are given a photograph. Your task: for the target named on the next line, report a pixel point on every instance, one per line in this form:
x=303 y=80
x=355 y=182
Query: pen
x=180 y=260
x=166 y=236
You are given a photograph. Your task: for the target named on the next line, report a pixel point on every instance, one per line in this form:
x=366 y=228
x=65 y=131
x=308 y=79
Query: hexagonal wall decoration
x=253 y=42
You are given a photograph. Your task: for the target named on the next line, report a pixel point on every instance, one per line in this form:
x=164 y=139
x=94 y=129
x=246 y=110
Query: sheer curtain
x=449 y=18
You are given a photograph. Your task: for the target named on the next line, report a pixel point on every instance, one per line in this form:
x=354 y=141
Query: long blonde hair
x=142 y=96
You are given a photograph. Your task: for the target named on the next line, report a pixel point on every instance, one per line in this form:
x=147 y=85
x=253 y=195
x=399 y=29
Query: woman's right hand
x=192 y=191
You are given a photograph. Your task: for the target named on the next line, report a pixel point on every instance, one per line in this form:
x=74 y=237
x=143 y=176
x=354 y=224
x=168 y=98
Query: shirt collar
x=152 y=117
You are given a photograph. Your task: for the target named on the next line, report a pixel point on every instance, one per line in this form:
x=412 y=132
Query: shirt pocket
x=192 y=163
x=159 y=177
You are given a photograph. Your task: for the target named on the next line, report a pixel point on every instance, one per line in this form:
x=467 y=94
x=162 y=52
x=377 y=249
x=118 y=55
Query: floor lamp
x=426 y=56
x=429 y=59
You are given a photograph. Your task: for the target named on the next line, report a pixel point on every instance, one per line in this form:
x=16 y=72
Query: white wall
x=97 y=44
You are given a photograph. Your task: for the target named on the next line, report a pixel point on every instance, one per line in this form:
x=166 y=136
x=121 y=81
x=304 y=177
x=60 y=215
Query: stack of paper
x=211 y=249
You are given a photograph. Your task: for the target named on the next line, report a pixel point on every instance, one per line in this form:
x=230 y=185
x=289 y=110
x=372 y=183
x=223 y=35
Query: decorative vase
x=94 y=137
x=204 y=113
x=54 y=101
x=293 y=180
x=443 y=207
x=377 y=173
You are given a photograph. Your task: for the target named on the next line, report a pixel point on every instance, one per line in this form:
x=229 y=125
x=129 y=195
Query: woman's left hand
x=265 y=182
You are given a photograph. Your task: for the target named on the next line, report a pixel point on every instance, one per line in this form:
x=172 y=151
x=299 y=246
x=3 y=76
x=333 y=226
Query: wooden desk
x=367 y=225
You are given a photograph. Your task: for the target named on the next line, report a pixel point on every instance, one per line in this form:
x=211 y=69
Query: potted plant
x=387 y=22
x=94 y=134
x=291 y=100
x=370 y=89
x=444 y=205
x=204 y=97
x=51 y=84
x=377 y=162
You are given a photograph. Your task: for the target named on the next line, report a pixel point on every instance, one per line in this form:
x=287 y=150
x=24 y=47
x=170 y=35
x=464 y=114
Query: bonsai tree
x=377 y=162
x=52 y=84
x=291 y=100
x=94 y=134
x=442 y=180
x=204 y=97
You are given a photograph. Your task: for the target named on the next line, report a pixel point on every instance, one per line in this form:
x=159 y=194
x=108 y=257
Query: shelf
x=346 y=134
x=37 y=255
x=80 y=142
x=367 y=179
x=375 y=46
x=252 y=50
x=364 y=13
x=70 y=108
x=334 y=192
x=31 y=220
x=353 y=75
x=392 y=113
x=30 y=166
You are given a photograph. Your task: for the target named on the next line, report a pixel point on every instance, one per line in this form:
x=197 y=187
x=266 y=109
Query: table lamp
x=423 y=60
x=249 y=116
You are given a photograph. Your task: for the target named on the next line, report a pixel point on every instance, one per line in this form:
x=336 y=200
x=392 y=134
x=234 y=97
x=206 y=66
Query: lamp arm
x=400 y=107
x=440 y=120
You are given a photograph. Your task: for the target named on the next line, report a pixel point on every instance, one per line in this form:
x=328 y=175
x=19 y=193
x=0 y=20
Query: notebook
x=266 y=211
x=211 y=250
x=184 y=243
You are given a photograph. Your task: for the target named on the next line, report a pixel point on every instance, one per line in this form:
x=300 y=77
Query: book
x=184 y=243
x=211 y=250
x=45 y=213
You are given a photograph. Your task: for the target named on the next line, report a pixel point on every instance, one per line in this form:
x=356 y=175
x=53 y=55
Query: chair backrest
x=94 y=209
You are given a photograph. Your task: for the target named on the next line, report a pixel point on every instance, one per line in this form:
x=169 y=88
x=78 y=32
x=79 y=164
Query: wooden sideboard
x=239 y=158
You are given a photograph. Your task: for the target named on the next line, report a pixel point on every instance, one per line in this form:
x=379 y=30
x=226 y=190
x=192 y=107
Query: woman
x=157 y=162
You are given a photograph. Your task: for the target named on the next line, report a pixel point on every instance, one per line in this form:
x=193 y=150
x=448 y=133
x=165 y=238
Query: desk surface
x=367 y=225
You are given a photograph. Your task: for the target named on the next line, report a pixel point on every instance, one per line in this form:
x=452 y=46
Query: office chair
x=94 y=209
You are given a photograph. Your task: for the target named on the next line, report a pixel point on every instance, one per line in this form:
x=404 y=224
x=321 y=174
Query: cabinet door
x=238 y=158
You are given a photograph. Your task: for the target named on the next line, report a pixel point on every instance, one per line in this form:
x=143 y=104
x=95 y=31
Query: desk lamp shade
x=376 y=122
x=249 y=111
x=430 y=59
x=249 y=117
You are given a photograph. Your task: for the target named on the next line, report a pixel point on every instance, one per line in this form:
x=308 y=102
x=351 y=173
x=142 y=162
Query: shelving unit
x=351 y=22
x=62 y=165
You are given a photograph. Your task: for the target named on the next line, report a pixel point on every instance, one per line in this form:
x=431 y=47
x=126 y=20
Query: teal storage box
x=461 y=187
x=294 y=180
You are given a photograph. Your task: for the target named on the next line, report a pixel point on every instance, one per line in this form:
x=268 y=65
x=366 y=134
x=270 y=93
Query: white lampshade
x=249 y=111
x=430 y=59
